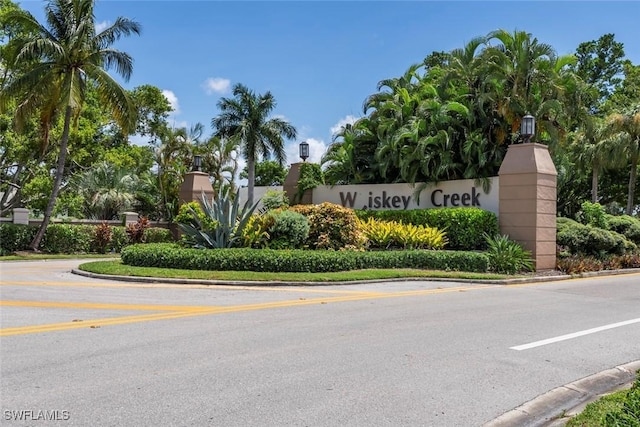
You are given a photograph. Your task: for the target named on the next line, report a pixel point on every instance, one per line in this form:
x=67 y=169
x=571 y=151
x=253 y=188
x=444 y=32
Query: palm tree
x=626 y=126
x=64 y=58
x=525 y=78
x=219 y=160
x=107 y=190
x=173 y=158
x=245 y=119
x=595 y=150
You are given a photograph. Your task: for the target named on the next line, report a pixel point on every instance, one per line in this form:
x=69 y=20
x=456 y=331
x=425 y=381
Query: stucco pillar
x=21 y=216
x=129 y=218
x=194 y=184
x=527 y=211
x=290 y=186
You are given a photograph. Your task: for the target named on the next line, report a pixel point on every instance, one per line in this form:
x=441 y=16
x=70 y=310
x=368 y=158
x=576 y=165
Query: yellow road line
x=100 y=306
x=94 y=323
x=201 y=311
x=303 y=289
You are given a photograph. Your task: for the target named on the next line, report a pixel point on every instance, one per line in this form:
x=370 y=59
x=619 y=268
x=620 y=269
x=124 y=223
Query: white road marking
x=573 y=335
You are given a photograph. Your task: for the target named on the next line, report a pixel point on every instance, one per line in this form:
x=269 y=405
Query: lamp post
x=528 y=127
x=197 y=162
x=304 y=151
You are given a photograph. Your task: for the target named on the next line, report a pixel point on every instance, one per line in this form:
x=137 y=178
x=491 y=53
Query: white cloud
x=316 y=150
x=348 y=120
x=173 y=101
x=101 y=26
x=216 y=85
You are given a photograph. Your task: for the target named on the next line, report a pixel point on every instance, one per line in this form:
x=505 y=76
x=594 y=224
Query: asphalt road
x=92 y=352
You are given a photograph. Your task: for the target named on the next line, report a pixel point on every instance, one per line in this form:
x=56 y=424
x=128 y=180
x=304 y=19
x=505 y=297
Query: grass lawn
x=117 y=268
x=595 y=413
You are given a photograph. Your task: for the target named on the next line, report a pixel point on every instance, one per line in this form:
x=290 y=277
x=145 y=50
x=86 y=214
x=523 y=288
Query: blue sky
x=321 y=59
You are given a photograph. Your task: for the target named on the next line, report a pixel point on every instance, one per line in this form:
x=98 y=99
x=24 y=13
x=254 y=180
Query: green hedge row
x=465 y=227
x=69 y=239
x=590 y=240
x=245 y=259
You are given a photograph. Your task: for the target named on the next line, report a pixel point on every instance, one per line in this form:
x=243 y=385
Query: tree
x=268 y=173
x=245 y=119
x=594 y=151
x=173 y=157
x=525 y=76
x=66 y=56
x=626 y=126
x=153 y=111
x=107 y=190
x=599 y=63
x=220 y=161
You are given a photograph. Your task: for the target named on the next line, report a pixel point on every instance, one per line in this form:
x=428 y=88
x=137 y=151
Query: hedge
x=465 y=227
x=589 y=240
x=246 y=259
x=70 y=239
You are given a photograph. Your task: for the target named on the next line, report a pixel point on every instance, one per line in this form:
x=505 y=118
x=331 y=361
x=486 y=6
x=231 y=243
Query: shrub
x=507 y=256
x=593 y=214
x=275 y=199
x=625 y=225
x=562 y=223
x=589 y=240
x=119 y=238
x=331 y=226
x=287 y=229
x=576 y=264
x=103 y=234
x=254 y=234
x=192 y=213
x=391 y=234
x=136 y=230
x=68 y=239
x=157 y=235
x=15 y=237
x=630 y=260
x=245 y=259
x=465 y=227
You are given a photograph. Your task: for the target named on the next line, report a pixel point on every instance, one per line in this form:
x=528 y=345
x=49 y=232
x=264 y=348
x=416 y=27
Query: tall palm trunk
x=57 y=181
x=632 y=182
x=251 y=169
x=594 y=185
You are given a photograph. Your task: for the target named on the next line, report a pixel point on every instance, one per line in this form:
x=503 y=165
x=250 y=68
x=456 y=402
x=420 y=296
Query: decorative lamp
x=304 y=151
x=197 y=162
x=528 y=127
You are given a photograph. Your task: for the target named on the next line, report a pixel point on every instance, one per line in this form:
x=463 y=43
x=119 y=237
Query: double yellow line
x=176 y=312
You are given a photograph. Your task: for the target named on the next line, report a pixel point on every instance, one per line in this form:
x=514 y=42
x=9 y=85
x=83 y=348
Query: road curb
x=141 y=279
x=517 y=281
x=551 y=408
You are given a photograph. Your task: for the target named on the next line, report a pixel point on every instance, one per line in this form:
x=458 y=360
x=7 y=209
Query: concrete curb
x=520 y=280
x=552 y=408
x=140 y=279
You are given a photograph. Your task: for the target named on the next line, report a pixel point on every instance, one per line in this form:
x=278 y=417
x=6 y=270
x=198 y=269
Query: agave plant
x=224 y=211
